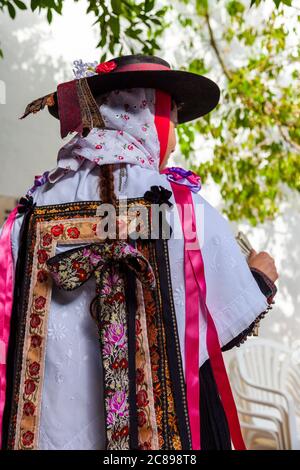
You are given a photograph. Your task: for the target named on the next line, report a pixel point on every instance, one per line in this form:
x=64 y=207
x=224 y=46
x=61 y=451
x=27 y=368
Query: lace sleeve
x=269 y=289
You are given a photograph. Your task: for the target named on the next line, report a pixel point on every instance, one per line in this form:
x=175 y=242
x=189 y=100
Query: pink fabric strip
x=162 y=120
x=136 y=67
x=192 y=317
x=6 y=301
x=183 y=198
x=213 y=347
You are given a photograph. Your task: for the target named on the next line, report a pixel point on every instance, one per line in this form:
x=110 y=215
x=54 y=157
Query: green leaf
x=162 y=12
x=156 y=21
x=234 y=8
x=198 y=66
x=114 y=24
x=201 y=7
x=103 y=57
x=57 y=6
x=11 y=10
x=111 y=45
x=149 y=4
x=132 y=33
x=20 y=4
x=34 y=4
x=116 y=6
x=102 y=41
x=49 y=15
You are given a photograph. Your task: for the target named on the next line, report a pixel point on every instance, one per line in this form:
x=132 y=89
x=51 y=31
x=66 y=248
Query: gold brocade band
x=90 y=113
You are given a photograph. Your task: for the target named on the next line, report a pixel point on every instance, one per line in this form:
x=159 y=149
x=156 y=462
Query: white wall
x=36 y=58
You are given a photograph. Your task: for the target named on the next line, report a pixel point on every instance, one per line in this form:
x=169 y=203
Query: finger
x=265 y=254
x=252 y=253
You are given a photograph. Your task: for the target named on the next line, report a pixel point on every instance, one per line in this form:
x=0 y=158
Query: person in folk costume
x=145 y=369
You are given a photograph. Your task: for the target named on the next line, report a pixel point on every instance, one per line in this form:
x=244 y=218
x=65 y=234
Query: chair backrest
x=247 y=399
x=258 y=370
x=263 y=362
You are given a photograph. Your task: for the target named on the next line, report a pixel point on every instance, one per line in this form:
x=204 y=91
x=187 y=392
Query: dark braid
x=107 y=185
x=106 y=175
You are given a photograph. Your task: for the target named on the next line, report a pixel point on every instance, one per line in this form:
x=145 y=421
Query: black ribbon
x=25 y=204
x=158 y=195
x=160 y=229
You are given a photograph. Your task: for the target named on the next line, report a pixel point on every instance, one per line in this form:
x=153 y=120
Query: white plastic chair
x=266 y=383
x=257 y=426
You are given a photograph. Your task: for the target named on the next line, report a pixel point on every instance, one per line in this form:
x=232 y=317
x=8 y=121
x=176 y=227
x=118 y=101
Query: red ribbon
x=195 y=291
x=162 y=120
x=143 y=67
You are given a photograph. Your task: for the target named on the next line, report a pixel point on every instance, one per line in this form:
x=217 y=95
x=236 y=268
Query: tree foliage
x=255 y=128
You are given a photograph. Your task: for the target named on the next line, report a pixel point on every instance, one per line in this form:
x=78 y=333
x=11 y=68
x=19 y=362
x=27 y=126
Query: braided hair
x=107 y=185
x=106 y=176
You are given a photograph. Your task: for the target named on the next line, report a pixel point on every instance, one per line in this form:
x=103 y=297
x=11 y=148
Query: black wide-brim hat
x=195 y=95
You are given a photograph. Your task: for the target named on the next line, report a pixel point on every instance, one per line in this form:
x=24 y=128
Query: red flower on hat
x=106 y=67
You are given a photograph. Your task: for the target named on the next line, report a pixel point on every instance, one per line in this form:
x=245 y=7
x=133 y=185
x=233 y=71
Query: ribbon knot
x=25 y=203
x=74 y=267
x=187 y=178
x=158 y=195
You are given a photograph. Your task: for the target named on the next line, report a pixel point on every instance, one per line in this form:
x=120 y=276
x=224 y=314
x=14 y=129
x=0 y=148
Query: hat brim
x=195 y=95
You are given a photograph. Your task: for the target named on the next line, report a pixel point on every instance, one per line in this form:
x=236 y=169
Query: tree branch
x=215 y=47
x=287 y=139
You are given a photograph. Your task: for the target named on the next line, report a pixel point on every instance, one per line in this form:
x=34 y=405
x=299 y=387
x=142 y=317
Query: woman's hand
x=263 y=262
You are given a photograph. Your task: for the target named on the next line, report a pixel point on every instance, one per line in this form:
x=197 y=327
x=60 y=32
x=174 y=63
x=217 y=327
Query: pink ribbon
x=195 y=291
x=191 y=315
x=6 y=302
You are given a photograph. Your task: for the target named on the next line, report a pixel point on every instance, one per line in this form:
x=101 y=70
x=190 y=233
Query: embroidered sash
x=70 y=270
